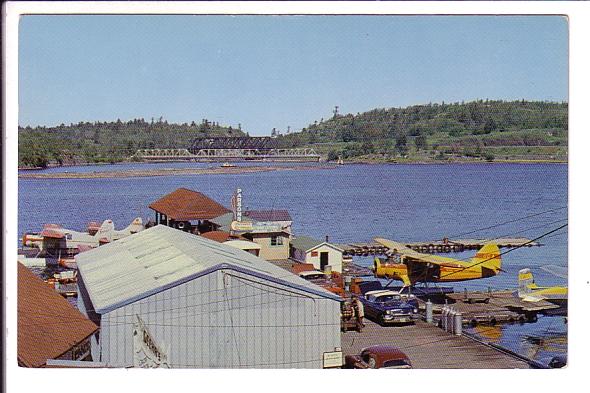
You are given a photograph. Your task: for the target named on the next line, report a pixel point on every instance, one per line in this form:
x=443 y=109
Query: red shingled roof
x=48 y=326
x=220 y=236
x=184 y=204
x=268 y=215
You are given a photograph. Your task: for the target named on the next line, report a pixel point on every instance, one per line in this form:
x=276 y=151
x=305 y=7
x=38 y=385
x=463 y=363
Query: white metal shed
x=169 y=298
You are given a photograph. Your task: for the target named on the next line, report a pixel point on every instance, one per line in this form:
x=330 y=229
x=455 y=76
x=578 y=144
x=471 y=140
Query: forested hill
x=515 y=130
x=109 y=141
x=440 y=128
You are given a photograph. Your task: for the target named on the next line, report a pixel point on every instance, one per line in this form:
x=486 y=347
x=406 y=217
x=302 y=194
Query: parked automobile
x=558 y=361
x=389 y=307
x=378 y=356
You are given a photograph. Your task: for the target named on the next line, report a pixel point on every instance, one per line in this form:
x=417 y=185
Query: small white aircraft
x=55 y=239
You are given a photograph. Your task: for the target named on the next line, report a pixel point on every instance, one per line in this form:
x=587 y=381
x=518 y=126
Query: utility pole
x=335 y=111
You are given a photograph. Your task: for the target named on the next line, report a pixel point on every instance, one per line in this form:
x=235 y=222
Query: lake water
x=351 y=203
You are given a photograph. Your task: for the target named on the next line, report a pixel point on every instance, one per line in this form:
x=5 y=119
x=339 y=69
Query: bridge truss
x=306 y=154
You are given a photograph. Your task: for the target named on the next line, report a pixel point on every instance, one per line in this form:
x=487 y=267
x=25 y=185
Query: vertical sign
x=236 y=204
x=239 y=205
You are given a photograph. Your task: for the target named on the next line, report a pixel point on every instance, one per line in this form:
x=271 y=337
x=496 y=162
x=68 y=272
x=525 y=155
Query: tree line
x=497 y=122
x=114 y=141
x=381 y=131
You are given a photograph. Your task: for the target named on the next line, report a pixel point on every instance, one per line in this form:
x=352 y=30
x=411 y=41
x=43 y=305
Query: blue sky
x=279 y=71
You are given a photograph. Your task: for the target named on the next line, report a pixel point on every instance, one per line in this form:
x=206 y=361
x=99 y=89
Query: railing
x=212 y=154
x=163 y=153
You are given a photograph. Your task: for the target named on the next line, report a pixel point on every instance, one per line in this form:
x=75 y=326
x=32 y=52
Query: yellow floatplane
x=412 y=267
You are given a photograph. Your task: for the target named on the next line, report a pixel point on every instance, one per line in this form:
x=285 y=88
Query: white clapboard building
x=167 y=298
x=321 y=254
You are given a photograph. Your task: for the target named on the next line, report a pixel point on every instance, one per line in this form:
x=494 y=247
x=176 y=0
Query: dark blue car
x=389 y=307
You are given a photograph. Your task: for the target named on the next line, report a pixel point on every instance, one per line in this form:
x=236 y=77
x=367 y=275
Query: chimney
x=327 y=241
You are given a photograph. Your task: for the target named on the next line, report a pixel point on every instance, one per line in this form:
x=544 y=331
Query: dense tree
x=401 y=144
x=107 y=141
x=420 y=142
x=484 y=119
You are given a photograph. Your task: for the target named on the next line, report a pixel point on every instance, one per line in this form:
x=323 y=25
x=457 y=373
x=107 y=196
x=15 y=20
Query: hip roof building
x=187 y=210
x=168 y=298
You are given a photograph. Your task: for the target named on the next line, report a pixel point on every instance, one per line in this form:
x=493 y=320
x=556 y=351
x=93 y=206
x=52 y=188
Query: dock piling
x=458 y=324
x=429 y=311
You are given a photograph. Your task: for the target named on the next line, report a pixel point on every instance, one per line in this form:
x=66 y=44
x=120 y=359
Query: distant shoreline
x=33 y=174
x=167 y=172
x=451 y=162
x=324 y=163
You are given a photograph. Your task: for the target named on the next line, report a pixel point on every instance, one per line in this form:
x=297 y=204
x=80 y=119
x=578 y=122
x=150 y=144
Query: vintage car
x=558 y=361
x=389 y=307
x=323 y=280
x=378 y=356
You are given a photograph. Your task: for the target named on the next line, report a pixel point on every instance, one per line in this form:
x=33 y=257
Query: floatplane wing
x=403 y=250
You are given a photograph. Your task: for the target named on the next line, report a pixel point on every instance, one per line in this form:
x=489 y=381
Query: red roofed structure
x=182 y=206
x=220 y=236
x=48 y=326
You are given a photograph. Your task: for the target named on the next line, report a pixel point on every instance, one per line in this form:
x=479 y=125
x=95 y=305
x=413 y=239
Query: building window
x=276 y=240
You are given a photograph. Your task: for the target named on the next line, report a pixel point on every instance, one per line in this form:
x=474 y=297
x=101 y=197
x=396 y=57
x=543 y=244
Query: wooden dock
x=436 y=246
x=492 y=307
x=430 y=347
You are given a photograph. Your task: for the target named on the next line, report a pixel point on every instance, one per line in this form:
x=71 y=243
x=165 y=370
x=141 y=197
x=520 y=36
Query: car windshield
x=388 y=298
x=369 y=360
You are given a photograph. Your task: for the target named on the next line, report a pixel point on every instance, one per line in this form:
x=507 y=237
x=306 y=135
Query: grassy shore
x=450 y=160
x=168 y=172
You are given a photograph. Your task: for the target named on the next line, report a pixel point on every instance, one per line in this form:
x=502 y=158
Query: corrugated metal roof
x=185 y=204
x=226 y=219
x=326 y=244
x=48 y=326
x=161 y=257
x=268 y=215
x=305 y=243
x=243 y=244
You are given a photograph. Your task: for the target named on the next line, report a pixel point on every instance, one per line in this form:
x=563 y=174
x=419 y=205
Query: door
x=323 y=260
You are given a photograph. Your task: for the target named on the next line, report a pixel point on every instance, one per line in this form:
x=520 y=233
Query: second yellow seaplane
x=529 y=291
x=412 y=267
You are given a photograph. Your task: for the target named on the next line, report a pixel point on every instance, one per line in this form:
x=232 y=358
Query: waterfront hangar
x=168 y=298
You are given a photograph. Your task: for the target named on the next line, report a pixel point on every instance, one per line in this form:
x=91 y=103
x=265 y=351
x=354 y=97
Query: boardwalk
x=430 y=347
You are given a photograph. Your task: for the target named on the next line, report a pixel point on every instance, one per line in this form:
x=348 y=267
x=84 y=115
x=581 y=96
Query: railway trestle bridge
x=230 y=149
x=301 y=154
